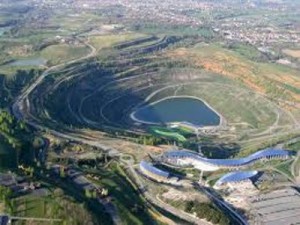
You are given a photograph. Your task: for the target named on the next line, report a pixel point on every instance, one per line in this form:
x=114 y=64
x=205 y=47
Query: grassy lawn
x=285 y=168
x=105 y=41
x=297 y=167
x=56 y=205
x=185 y=130
x=30 y=206
x=164 y=132
x=294 y=146
x=56 y=54
x=213 y=181
x=10 y=71
x=247 y=51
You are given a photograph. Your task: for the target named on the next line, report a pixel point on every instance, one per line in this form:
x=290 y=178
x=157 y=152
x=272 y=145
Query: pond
x=177 y=109
x=29 y=62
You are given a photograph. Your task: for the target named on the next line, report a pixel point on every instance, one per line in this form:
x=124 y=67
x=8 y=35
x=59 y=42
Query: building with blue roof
x=189 y=158
x=235 y=177
x=152 y=172
x=4 y=220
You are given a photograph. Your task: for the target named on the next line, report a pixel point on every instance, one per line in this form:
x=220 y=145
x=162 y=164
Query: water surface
x=29 y=62
x=178 y=109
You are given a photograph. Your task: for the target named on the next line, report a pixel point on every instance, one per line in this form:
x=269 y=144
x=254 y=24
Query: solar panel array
x=152 y=169
x=236 y=177
x=263 y=154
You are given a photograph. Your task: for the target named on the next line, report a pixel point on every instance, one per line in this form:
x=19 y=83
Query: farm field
x=56 y=54
x=293 y=53
x=50 y=206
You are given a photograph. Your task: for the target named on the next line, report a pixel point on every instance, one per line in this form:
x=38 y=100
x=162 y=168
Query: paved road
x=11 y=218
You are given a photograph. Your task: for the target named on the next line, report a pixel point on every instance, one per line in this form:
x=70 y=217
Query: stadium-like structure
x=189 y=158
x=236 y=177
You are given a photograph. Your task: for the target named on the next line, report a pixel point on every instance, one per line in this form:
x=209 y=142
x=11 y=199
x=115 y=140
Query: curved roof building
x=235 y=177
x=151 y=171
x=188 y=158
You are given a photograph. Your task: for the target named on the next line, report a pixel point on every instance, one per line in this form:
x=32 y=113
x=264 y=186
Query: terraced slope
x=101 y=92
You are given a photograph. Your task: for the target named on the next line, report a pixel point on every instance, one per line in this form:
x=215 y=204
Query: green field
x=293 y=146
x=105 y=41
x=55 y=205
x=168 y=133
x=56 y=54
x=285 y=168
x=185 y=130
x=297 y=167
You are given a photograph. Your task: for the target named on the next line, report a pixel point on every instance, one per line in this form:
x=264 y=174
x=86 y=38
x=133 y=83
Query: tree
x=88 y=193
x=62 y=173
x=5 y=197
x=189 y=206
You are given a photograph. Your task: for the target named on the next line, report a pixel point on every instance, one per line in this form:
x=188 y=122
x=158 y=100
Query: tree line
x=207 y=211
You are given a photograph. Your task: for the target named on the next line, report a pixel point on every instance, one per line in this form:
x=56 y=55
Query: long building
x=152 y=172
x=189 y=158
x=235 y=177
